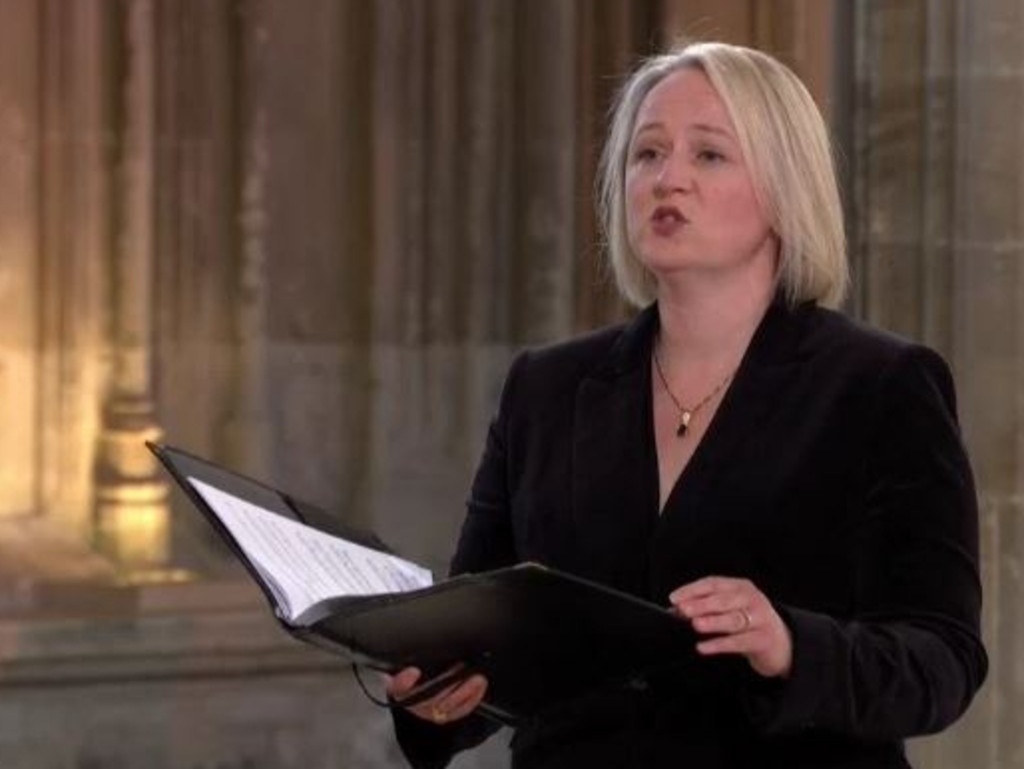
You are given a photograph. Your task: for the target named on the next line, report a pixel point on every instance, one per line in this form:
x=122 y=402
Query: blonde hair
x=786 y=147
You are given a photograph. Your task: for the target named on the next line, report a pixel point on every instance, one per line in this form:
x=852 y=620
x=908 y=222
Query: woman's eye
x=710 y=156
x=646 y=154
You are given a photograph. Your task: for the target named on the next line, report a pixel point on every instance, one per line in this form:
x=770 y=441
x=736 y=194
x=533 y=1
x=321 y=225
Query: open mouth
x=667 y=219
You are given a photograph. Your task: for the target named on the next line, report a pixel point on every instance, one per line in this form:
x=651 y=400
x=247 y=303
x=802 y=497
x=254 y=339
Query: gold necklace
x=685 y=414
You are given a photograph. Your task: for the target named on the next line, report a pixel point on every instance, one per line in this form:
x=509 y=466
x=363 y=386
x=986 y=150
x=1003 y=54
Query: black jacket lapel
x=726 y=455
x=614 y=476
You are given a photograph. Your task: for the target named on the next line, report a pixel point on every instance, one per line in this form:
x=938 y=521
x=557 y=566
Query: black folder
x=540 y=636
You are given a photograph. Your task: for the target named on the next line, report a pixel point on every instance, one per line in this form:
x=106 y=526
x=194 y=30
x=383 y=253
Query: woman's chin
x=668 y=265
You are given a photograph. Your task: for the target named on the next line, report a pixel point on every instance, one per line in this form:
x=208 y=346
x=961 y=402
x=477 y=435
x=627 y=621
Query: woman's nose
x=675 y=175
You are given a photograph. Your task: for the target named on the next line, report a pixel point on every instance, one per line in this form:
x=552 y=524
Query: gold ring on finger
x=438 y=714
x=746 y=620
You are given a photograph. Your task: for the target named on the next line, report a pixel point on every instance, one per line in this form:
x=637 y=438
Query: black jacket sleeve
x=910 y=659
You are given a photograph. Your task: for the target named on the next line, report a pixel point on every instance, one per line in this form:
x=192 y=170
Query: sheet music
x=308 y=565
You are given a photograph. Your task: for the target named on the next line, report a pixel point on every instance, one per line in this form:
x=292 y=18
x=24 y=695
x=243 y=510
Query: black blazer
x=832 y=476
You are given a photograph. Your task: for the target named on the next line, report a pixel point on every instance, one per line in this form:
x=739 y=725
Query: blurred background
x=305 y=237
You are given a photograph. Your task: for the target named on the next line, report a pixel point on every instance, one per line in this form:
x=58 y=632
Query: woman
x=790 y=482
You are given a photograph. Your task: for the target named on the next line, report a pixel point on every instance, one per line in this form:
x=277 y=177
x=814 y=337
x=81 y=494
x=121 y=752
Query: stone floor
x=195 y=677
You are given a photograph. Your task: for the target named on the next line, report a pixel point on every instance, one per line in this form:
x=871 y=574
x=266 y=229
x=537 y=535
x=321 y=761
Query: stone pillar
x=475 y=198
x=20 y=123
x=247 y=427
x=133 y=522
x=437 y=152
x=546 y=114
x=987 y=325
x=938 y=242
x=200 y=153
x=317 y=239
x=612 y=35
x=889 y=165
x=75 y=226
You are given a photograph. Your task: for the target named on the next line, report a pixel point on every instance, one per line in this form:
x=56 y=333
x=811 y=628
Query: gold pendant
x=684 y=423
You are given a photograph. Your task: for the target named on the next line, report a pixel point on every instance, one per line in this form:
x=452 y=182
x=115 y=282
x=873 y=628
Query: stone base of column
x=132 y=509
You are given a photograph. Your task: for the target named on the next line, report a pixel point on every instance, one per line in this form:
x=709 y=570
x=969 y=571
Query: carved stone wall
x=306 y=239
x=54 y=233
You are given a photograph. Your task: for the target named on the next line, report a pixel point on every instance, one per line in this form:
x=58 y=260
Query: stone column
x=247 y=433
x=474 y=213
x=611 y=36
x=438 y=186
x=546 y=112
x=987 y=324
x=20 y=123
x=198 y=157
x=131 y=495
x=317 y=248
x=938 y=242
x=889 y=165
x=74 y=230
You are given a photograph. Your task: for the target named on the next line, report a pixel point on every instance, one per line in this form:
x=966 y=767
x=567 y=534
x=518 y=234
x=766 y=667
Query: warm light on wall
x=133 y=524
x=132 y=511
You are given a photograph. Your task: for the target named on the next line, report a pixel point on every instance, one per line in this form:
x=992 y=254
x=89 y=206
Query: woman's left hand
x=741 y=619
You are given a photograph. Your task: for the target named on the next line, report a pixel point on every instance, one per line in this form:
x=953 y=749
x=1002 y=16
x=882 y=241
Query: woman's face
x=690 y=202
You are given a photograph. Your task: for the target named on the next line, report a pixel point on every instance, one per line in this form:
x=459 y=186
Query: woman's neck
x=709 y=327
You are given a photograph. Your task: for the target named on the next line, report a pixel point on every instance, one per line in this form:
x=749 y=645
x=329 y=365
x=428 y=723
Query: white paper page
x=308 y=565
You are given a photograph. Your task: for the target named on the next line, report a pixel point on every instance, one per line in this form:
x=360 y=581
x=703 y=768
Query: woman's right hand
x=455 y=702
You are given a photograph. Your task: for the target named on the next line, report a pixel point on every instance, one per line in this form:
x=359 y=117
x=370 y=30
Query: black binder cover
x=540 y=636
